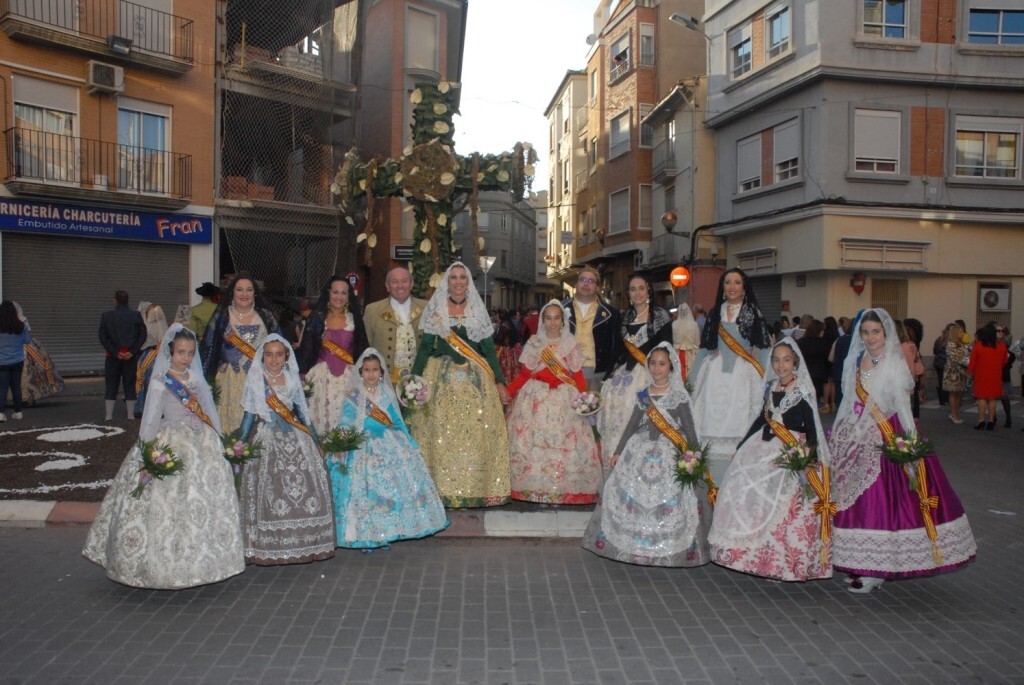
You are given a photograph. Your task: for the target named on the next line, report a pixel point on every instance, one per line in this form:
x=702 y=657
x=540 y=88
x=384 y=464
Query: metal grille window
x=886 y=18
x=891 y=295
x=620 y=58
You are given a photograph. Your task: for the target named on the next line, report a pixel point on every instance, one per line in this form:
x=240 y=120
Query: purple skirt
x=883 y=534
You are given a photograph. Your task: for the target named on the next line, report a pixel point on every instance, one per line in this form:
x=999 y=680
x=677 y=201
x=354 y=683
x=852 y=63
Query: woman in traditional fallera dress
x=382 y=491
x=764 y=523
x=287 y=514
x=184 y=530
x=645 y=516
x=332 y=340
x=643 y=327
x=39 y=377
x=554 y=458
x=880 y=530
x=463 y=436
x=235 y=331
x=728 y=376
x=156 y=326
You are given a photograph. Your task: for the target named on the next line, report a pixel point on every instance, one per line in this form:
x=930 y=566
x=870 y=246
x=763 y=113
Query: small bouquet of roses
x=796 y=458
x=587 y=403
x=692 y=465
x=238 y=451
x=158 y=461
x=338 y=441
x=307 y=389
x=906 y=449
x=413 y=392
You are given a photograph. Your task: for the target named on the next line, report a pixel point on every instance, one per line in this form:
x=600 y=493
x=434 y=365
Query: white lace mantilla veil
x=150 y=423
x=156 y=323
x=855 y=438
x=803 y=389
x=254 y=399
x=566 y=343
x=435 y=320
x=676 y=389
x=355 y=389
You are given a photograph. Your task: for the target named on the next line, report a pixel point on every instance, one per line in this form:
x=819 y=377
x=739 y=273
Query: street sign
x=353 y=279
x=680 y=277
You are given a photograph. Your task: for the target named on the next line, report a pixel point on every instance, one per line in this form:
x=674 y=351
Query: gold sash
x=467 y=351
x=144 y=365
x=554 y=365
x=282 y=410
x=635 y=352
x=232 y=337
x=378 y=414
x=734 y=345
x=337 y=350
x=677 y=439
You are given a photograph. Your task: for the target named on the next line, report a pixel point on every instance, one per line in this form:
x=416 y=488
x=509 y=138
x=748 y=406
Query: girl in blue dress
x=382 y=491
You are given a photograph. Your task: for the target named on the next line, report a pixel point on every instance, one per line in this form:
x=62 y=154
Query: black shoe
x=980 y=426
x=991 y=425
x=1008 y=424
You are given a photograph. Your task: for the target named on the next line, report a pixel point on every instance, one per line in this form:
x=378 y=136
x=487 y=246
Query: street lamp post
x=486 y=263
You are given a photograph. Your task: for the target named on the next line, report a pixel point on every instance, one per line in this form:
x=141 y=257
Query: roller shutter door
x=768 y=290
x=64 y=284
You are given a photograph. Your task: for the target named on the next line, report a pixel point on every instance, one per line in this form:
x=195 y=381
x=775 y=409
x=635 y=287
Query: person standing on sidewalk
x=595 y=325
x=122 y=333
x=14 y=335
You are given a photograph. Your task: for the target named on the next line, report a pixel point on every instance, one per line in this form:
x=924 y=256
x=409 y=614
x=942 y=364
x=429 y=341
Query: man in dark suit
x=122 y=334
x=595 y=325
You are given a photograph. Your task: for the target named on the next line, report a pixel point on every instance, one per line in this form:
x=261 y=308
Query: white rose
x=440 y=108
x=440 y=127
x=360 y=238
x=425 y=245
x=371 y=241
x=442 y=219
x=398 y=177
x=503 y=176
x=447 y=178
x=443 y=87
x=416 y=97
x=529 y=170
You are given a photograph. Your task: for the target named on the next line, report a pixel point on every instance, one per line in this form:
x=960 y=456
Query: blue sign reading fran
x=96 y=222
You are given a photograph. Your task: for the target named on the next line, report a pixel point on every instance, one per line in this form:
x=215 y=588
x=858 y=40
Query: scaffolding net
x=287 y=98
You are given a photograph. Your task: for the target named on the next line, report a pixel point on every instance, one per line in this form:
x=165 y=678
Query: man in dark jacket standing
x=596 y=327
x=122 y=334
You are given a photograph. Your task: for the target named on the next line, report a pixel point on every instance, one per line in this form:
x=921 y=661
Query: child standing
x=285 y=494
x=183 y=530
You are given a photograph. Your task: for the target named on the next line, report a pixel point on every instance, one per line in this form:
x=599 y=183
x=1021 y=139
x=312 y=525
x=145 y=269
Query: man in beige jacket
x=393 y=324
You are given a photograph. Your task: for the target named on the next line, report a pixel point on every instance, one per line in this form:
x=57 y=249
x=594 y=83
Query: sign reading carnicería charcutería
x=103 y=222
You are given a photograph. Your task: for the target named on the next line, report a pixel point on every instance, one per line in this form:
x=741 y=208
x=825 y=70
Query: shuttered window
x=891 y=295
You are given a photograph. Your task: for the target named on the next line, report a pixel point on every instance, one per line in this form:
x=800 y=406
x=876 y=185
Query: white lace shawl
x=355 y=388
x=803 y=389
x=435 y=319
x=151 y=418
x=677 y=388
x=568 y=348
x=254 y=398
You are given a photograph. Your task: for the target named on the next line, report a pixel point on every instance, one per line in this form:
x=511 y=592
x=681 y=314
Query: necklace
x=338 y=312
x=787 y=385
x=240 y=314
x=655 y=386
x=459 y=303
x=875 y=360
x=275 y=376
x=179 y=374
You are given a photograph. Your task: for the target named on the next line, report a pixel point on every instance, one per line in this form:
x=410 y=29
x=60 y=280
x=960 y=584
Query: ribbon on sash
x=47 y=365
x=635 y=352
x=554 y=365
x=282 y=410
x=231 y=336
x=378 y=414
x=185 y=396
x=677 y=439
x=735 y=345
x=926 y=502
x=338 y=351
x=144 y=365
x=467 y=351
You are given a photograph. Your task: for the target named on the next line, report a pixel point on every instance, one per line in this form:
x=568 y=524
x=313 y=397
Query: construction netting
x=287 y=101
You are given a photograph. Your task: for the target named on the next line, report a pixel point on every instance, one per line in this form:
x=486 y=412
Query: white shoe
x=17 y=416
x=866 y=584
x=3 y=417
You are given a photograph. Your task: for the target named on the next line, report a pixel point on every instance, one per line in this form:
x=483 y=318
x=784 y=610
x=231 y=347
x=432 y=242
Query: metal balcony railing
x=619 y=68
x=149 y=30
x=582 y=117
x=664 y=159
x=93 y=164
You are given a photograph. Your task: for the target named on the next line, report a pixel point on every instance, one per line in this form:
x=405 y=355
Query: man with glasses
x=595 y=325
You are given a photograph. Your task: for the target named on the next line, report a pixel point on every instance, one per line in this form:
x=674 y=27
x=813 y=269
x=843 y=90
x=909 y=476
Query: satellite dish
x=591 y=39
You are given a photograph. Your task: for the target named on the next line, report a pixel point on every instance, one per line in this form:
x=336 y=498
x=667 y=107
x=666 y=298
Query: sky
x=516 y=54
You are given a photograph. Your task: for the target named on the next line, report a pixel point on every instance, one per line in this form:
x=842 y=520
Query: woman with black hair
x=644 y=326
x=234 y=332
x=14 y=335
x=734 y=351
x=333 y=339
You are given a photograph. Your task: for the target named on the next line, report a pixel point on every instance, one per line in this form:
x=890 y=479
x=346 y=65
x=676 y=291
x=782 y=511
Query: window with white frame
x=646 y=45
x=593 y=154
x=988 y=147
x=876 y=141
x=646 y=205
x=646 y=130
x=566 y=179
x=885 y=18
x=618 y=138
x=776 y=31
x=421 y=39
x=503 y=221
x=740 y=50
x=44 y=129
x=996 y=26
x=748 y=163
x=787 y=150
x=618 y=211
x=143 y=132
x=620 y=63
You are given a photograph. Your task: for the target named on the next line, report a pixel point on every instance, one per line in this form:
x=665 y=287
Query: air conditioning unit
x=641 y=258
x=994 y=298
x=104 y=78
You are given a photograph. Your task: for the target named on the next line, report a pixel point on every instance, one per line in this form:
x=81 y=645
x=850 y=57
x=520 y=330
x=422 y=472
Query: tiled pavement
x=473 y=610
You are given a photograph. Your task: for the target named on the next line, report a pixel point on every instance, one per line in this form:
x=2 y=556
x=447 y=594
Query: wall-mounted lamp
x=685 y=20
x=858 y=281
x=668 y=220
x=119 y=45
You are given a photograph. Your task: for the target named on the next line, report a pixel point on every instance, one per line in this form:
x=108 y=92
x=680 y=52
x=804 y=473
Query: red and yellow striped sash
x=677 y=439
x=338 y=351
x=467 y=351
x=282 y=410
x=188 y=400
x=232 y=337
x=780 y=430
x=734 y=345
x=144 y=365
x=554 y=365
x=881 y=420
x=378 y=414
x=635 y=352
x=42 y=361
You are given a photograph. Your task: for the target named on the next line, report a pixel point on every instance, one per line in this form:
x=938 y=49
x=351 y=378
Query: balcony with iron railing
x=668 y=248
x=663 y=163
x=582 y=180
x=582 y=120
x=112 y=29
x=53 y=165
x=620 y=67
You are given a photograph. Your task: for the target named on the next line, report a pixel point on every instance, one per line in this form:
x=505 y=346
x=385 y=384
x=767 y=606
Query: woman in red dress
x=987 y=360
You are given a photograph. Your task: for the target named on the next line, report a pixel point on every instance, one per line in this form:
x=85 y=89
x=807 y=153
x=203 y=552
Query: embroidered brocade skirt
x=325 y=402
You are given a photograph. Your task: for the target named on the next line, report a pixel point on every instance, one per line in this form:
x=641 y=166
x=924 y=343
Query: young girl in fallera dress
x=382 y=491
x=287 y=516
x=645 y=517
x=184 y=530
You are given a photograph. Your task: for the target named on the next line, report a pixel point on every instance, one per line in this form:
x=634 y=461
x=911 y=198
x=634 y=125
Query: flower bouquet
x=796 y=458
x=587 y=404
x=692 y=465
x=158 y=461
x=413 y=392
x=341 y=440
x=238 y=451
x=307 y=389
x=906 y=449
